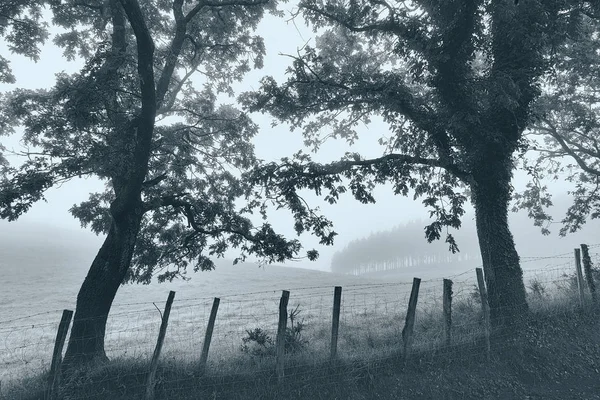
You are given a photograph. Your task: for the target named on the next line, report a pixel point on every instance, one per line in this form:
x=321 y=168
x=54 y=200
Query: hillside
x=553 y=358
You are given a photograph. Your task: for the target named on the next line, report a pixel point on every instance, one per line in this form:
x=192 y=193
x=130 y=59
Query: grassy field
x=555 y=356
x=372 y=317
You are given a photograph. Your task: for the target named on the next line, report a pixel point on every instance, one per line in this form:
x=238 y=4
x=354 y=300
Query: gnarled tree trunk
x=86 y=342
x=503 y=274
x=131 y=144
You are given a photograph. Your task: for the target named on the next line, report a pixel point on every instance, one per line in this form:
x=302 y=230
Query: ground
x=555 y=355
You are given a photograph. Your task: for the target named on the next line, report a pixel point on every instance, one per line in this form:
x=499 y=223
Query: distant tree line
x=403 y=247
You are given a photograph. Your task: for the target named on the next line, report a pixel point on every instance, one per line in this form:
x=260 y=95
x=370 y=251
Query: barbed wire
x=372 y=318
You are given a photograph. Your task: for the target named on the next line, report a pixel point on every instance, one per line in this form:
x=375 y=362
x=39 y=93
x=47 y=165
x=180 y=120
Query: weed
x=537 y=288
x=259 y=343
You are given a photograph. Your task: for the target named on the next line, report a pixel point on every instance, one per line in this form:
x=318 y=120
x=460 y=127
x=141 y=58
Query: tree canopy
x=455 y=81
x=151 y=115
x=565 y=135
x=197 y=148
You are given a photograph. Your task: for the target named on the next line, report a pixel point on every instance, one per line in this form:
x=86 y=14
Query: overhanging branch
x=345 y=165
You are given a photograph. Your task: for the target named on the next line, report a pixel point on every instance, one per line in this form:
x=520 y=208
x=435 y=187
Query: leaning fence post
x=409 y=324
x=447 y=306
x=579 y=277
x=209 y=332
x=587 y=267
x=485 y=306
x=335 y=323
x=159 y=343
x=281 y=328
x=61 y=336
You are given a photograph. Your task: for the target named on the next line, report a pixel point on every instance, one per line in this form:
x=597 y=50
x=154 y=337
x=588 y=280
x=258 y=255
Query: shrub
x=259 y=343
x=537 y=288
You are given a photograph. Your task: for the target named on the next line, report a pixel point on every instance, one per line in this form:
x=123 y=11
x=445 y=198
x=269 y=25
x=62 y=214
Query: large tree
x=454 y=80
x=144 y=116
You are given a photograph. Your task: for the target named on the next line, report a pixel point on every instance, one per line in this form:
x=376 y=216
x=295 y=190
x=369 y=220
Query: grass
x=555 y=355
x=372 y=315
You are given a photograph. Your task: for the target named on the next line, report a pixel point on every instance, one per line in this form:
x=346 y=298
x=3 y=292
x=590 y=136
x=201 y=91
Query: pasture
x=371 y=320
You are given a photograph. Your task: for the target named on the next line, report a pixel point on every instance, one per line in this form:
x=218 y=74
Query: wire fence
x=371 y=323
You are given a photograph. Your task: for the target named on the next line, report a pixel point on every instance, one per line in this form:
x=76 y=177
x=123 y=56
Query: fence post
x=281 y=330
x=159 y=343
x=209 y=332
x=587 y=267
x=447 y=306
x=335 y=323
x=579 y=277
x=485 y=306
x=409 y=324
x=61 y=336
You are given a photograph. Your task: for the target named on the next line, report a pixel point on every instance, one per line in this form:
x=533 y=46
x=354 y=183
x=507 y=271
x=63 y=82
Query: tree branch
x=342 y=166
x=173 y=55
x=145 y=49
x=203 y=4
x=580 y=161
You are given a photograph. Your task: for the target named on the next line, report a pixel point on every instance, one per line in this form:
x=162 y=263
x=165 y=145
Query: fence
x=204 y=336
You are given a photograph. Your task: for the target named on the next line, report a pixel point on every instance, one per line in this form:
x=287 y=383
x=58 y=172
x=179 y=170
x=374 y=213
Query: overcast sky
x=352 y=220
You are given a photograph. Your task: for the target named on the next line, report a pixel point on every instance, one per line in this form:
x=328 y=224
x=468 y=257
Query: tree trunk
x=109 y=268
x=503 y=274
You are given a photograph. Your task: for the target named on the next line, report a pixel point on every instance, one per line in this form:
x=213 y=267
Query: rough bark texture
x=503 y=274
x=131 y=142
x=86 y=342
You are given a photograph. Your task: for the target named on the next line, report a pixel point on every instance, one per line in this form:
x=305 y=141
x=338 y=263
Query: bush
x=258 y=343
x=537 y=288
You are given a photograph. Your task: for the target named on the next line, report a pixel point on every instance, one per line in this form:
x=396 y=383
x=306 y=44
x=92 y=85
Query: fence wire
x=372 y=319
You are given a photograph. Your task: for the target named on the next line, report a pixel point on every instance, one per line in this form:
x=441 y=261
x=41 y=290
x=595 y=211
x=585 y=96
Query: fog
x=48 y=231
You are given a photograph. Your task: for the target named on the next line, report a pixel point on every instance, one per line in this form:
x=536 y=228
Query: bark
x=503 y=273
x=96 y=295
x=132 y=147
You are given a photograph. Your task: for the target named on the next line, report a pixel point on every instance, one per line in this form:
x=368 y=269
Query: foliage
x=564 y=138
x=161 y=134
x=400 y=247
x=453 y=81
x=537 y=288
x=258 y=342
x=23 y=30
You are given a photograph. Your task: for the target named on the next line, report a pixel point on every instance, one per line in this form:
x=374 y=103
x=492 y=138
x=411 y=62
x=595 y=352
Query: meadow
x=371 y=320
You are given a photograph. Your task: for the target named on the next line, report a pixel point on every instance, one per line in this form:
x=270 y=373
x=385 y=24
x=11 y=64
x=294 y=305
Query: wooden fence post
x=281 y=331
x=579 y=277
x=587 y=267
x=485 y=306
x=447 y=306
x=61 y=336
x=335 y=323
x=208 y=335
x=409 y=324
x=159 y=343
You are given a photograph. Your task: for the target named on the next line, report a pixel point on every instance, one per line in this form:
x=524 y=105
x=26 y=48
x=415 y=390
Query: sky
x=351 y=219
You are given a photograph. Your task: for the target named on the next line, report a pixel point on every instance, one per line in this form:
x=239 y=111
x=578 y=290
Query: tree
x=23 y=33
x=566 y=133
x=169 y=152
x=454 y=81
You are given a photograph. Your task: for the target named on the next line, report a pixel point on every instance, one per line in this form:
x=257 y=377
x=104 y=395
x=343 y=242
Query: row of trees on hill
x=458 y=83
x=403 y=247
